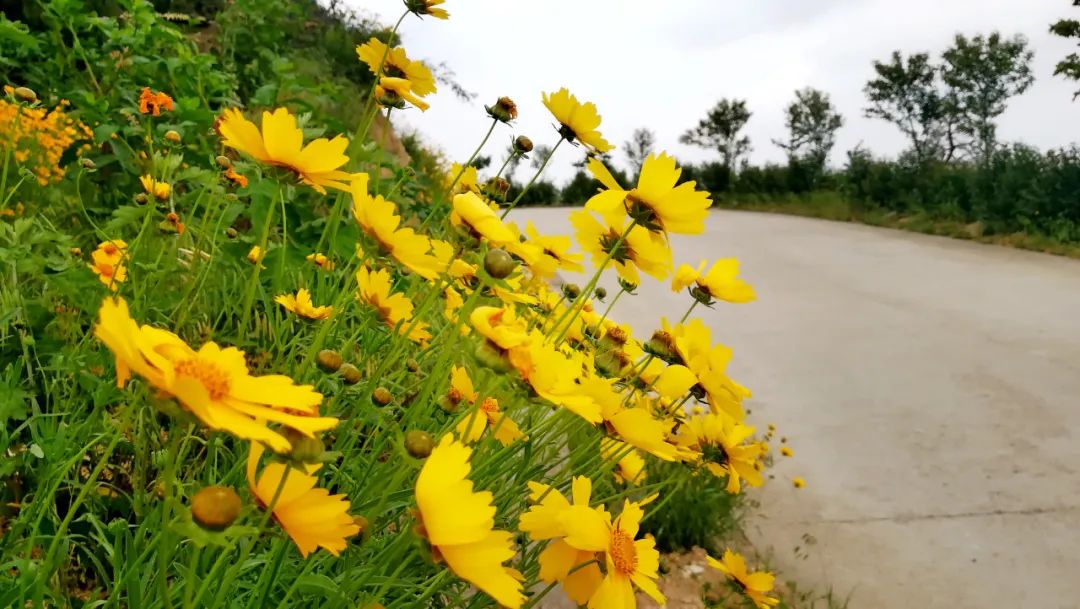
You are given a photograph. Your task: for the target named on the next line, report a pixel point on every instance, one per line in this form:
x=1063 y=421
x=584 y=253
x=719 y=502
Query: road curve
x=930 y=389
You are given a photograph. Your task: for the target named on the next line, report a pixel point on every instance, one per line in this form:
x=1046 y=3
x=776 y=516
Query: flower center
x=490 y=406
x=623 y=555
x=213 y=379
x=620 y=252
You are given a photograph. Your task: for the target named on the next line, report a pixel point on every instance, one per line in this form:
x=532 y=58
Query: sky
x=662 y=65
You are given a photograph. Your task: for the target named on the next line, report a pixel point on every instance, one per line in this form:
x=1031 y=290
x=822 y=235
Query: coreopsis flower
x=459 y=523
x=302 y=305
x=635 y=425
x=488 y=415
x=418 y=79
x=471 y=211
x=281 y=144
x=755 y=585
x=554 y=376
x=548 y=518
x=159 y=190
x=212 y=383
x=311 y=516
x=377 y=217
x=657 y=203
x=692 y=346
x=500 y=326
x=723 y=447
x=395 y=310
x=153 y=102
x=721 y=282
x=577 y=121
x=427 y=7
x=798 y=482
x=671 y=381
x=631 y=563
x=320 y=260
x=236 y=178
x=554 y=254
x=110 y=270
x=255 y=254
x=468 y=182
x=394 y=92
x=630 y=468
x=503 y=110
x=639 y=249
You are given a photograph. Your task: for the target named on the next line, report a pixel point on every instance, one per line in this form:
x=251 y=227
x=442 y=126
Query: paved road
x=930 y=389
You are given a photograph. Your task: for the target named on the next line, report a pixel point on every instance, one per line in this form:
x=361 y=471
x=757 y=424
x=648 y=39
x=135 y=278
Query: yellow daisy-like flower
x=159 y=190
x=378 y=218
x=420 y=80
x=756 y=585
x=396 y=310
x=427 y=7
x=554 y=376
x=212 y=383
x=472 y=212
x=577 y=121
x=302 y=305
x=636 y=425
x=798 y=482
x=468 y=182
x=658 y=202
x=281 y=144
x=320 y=260
x=554 y=254
x=641 y=249
x=107 y=262
x=708 y=362
x=488 y=415
x=459 y=523
x=255 y=254
x=392 y=91
x=631 y=466
x=720 y=282
x=311 y=516
x=500 y=326
x=721 y=444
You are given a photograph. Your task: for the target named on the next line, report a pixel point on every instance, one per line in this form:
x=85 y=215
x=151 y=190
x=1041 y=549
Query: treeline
x=955 y=166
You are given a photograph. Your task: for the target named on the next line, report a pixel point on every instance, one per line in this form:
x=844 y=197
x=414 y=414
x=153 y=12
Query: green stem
x=472 y=158
x=253 y=281
x=583 y=297
x=534 y=178
x=361 y=133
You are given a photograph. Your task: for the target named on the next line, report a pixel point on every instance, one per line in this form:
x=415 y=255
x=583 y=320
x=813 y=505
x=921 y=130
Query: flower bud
x=381 y=396
x=328 y=360
x=418 y=443
x=523 y=145
x=305 y=449
x=223 y=161
x=87 y=164
x=662 y=345
x=503 y=110
x=231 y=232
x=498 y=263
x=215 y=507
x=496 y=188
x=350 y=373
x=601 y=292
x=141 y=198
x=231 y=197
x=362 y=523
x=75 y=251
x=490 y=356
x=702 y=296
x=172 y=136
x=412 y=365
x=448 y=405
x=571 y=291
x=25 y=95
x=627 y=286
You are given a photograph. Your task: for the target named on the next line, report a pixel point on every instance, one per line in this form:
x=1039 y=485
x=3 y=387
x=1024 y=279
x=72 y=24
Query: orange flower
x=151 y=102
x=236 y=178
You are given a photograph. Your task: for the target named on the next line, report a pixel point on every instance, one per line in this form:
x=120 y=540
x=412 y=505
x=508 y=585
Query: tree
x=905 y=92
x=638 y=148
x=982 y=73
x=720 y=130
x=1070 y=66
x=812 y=123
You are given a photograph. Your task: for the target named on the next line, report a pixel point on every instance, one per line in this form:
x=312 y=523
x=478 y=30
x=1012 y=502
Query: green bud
x=382 y=396
x=223 y=161
x=601 y=292
x=523 y=145
x=418 y=443
x=215 y=507
x=87 y=164
x=350 y=373
x=328 y=360
x=25 y=95
x=499 y=264
x=304 y=449
x=571 y=291
x=230 y=232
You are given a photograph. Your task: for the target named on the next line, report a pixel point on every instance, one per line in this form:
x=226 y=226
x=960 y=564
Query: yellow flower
x=784 y=450
x=637 y=426
x=721 y=444
x=390 y=91
x=554 y=254
x=488 y=415
x=577 y=121
x=500 y=326
x=548 y=518
x=311 y=516
x=427 y=7
x=471 y=211
x=159 y=190
x=212 y=383
x=756 y=585
x=468 y=182
x=410 y=79
x=630 y=562
x=377 y=217
x=395 y=310
x=459 y=523
x=255 y=254
x=641 y=249
x=721 y=282
x=631 y=466
x=798 y=482
x=109 y=270
x=554 y=376
x=320 y=260
x=302 y=305
x=657 y=203
x=693 y=343
x=281 y=144
x=669 y=381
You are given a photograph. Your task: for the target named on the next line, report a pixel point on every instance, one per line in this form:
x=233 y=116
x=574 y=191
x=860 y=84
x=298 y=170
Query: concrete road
x=930 y=389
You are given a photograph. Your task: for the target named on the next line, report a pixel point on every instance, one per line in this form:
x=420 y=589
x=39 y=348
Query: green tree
x=905 y=92
x=982 y=73
x=812 y=123
x=721 y=129
x=638 y=148
x=1069 y=67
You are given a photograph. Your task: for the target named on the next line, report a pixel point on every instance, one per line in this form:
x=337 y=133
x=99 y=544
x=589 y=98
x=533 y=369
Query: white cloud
x=661 y=65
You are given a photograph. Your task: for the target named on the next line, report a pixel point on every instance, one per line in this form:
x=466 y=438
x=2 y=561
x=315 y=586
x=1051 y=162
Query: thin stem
x=253 y=282
x=361 y=133
x=472 y=158
x=533 y=180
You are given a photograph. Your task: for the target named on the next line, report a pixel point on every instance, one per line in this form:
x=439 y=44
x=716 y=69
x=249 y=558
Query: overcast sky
x=661 y=65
